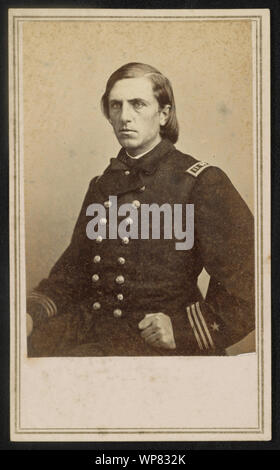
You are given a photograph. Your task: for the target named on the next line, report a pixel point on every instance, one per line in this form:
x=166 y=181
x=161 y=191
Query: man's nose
x=126 y=115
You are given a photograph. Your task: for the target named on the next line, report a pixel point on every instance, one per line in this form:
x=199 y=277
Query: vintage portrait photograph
x=140 y=215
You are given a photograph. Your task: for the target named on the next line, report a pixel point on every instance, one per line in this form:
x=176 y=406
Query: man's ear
x=164 y=114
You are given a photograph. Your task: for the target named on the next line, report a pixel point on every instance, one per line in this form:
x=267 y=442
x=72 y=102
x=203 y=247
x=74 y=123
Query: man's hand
x=157 y=330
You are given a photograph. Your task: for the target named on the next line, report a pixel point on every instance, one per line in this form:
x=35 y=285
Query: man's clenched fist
x=157 y=330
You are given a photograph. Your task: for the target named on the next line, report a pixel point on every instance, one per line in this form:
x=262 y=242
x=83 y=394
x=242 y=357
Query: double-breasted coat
x=100 y=289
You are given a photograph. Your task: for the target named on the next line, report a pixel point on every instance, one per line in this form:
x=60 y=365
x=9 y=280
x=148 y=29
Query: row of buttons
x=117 y=312
x=129 y=220
x=97 y=258
x=134 y=203
x=119 y=279
x=103 y=221
x=97 y=305
x=125 y=240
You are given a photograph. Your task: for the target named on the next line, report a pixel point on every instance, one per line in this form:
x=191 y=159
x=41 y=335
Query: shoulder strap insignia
x=197 y=168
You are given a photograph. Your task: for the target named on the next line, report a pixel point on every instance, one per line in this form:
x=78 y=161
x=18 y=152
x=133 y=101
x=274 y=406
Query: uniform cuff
x=40 y=306
x=202 y=327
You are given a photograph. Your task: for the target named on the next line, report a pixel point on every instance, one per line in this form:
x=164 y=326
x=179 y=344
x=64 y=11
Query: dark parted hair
x=162 y=91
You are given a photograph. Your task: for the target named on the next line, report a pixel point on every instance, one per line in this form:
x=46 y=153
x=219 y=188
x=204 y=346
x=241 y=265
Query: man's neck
x=135 y=157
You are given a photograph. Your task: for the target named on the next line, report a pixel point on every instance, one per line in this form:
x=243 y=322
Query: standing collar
x=141 y=154
x=150 y=160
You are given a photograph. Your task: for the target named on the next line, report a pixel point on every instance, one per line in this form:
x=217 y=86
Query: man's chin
x=128 y=142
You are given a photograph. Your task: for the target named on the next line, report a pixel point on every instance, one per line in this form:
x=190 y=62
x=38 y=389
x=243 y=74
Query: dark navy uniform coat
x=99 y=290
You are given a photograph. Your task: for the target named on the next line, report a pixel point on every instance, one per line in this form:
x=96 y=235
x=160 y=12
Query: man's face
x=135 y=114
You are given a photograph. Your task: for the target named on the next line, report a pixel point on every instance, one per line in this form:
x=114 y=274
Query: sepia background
x=67 y=140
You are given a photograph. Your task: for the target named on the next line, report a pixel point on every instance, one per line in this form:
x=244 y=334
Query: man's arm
x=224 y=235
x=64 y=286
x=224 y=231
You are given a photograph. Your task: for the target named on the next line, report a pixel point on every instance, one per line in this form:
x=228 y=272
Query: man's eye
x=139 y=104
x=115 y=105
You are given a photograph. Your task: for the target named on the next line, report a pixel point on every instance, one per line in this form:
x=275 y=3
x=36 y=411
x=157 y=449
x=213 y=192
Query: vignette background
x=67 y=140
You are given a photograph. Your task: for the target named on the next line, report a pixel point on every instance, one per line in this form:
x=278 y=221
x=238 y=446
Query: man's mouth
x=127 y=131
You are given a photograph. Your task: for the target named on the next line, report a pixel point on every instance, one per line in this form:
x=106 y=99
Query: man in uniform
x=130 y=296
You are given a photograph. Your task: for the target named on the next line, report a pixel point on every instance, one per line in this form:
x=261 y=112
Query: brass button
x=103 y=221
x=117 y=313
x=142 y=189
x=136 y=204
x=127 y=172
x=99 y=239
x=119 y=279
x=121 y=260
x=125 y=240
x=108 y=204
x=95 y=278
x=120 y=296
x=97 y=259
x=96 y=306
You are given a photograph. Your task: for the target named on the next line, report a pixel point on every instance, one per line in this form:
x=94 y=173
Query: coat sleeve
x=224 y=235
x=66 y=283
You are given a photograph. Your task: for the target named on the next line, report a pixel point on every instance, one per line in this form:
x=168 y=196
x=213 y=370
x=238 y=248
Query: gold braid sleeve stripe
x=194 y=328
x=199 y=327
x=205 y=325
x=45 y=301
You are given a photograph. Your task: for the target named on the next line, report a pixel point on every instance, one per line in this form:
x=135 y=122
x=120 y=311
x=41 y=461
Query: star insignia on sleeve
x=215 y=326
